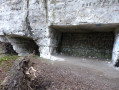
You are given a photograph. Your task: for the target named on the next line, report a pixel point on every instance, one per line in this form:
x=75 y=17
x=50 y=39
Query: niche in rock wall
x=91 y=44
x=92 y=41
x=24 y=45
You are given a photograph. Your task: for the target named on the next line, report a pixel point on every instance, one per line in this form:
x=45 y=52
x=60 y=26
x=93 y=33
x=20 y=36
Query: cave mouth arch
x=24 y=45
x=85 y=40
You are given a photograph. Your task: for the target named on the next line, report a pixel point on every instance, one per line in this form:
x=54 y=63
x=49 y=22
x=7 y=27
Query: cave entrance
x=91 y=44
x=24 y=45
x=7 y=48
x=90 y=41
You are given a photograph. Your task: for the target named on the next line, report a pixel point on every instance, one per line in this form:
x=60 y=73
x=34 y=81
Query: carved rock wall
x=33 y=18
x=92 y=44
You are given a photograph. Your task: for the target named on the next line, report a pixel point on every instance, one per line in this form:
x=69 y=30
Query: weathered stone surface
x=115 y=53
x=80 y=11
x=93 y=44
x=33 y=18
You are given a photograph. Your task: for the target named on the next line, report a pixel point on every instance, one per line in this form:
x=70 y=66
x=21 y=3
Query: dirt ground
x=74 y=74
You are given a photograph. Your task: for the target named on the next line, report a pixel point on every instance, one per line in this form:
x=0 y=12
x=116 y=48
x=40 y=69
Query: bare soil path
x=76 y=74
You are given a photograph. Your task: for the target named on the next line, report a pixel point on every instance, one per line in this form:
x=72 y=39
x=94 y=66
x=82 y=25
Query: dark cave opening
x=90 y=41
x=7 y=48
x=26 y=45
x=91 y=44
x=117 y=64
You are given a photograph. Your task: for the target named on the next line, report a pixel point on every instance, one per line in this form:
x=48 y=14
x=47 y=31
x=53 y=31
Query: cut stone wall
x=91 y=44
x=55 y=40
x=74 y=12
x=115 y=53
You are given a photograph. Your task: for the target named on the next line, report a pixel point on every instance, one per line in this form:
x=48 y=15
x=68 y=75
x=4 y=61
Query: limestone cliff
x=40 y=20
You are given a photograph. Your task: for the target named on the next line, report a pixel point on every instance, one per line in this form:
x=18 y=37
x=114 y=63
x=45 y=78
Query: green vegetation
x=6 y=62
x=7 y=58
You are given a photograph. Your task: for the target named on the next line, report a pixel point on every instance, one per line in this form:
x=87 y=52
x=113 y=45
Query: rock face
x=44 y=21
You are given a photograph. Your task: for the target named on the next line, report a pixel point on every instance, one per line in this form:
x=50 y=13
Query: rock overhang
x=91 y=27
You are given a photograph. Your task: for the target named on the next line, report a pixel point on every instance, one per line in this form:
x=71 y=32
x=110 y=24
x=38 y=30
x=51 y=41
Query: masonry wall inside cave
x=91 y=44
x=83 y=41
